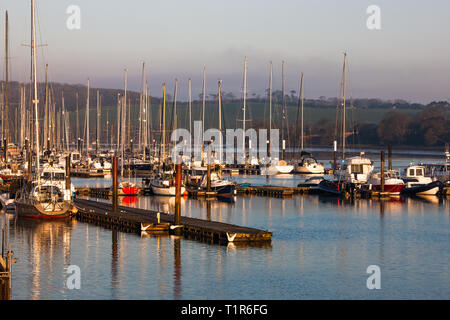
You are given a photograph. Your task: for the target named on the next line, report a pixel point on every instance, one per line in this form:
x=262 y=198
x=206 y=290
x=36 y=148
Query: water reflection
x=47 y=246
x=319 y=244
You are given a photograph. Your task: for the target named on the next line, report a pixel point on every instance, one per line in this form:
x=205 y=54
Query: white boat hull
x=166 y=191
x=430 y=192
x=315 y=169
x=284 y=169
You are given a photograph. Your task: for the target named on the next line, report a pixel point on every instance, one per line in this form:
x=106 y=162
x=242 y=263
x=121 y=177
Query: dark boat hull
x=329 y=188
x=29 y=211
x=430 y=188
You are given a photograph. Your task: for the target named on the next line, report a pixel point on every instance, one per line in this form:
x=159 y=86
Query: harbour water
x=321 y=248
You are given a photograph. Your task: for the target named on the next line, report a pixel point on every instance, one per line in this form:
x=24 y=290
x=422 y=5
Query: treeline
x=109 y=98
x=431 y=127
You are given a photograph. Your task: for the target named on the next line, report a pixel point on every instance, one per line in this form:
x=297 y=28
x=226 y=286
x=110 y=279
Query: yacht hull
x=37 y=211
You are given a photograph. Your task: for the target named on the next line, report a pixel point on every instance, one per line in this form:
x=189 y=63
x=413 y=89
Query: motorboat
x=356 y=170
x=276 y=167
x=308 y=165
x=392 y=182
x=312 y=182
x=419 y=184
x=164 y=185
x=128 y=188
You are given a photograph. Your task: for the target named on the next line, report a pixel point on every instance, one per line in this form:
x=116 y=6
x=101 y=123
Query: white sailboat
x=307 y=163
x=275 y=165
x=40 y=198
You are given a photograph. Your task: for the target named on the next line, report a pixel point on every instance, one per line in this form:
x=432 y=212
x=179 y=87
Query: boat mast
x=244 y=109
x=219 y=84
x=87 y=119
x=163 y=147
x=118 y=124
x=190 y=109
x=302 y=99
x=175 y=119
x=98 y=122
x=124 y=107
x=34 y=77
x=77 y=119
x=203 y=110
x=343 y=104
x=283 y=111
x=146 y=119
x=46 y=122
x=5 y=122
x=5 y=115
x=270 y=106
x=142 y=107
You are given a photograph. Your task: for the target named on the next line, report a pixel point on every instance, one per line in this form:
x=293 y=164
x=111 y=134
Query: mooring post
x=29 y=158
x=68 y=175
x=178 y=168
x=382 y=171
x=115 y=185
x=389 y=157
x=5 y=150
x=208 y=167
x=334 y=156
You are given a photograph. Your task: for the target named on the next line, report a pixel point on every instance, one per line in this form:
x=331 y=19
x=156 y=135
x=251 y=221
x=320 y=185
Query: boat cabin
x=356 y=169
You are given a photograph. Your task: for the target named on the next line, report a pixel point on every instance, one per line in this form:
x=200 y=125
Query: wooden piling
x=178 y=170
x=115 y=185
x=389 y=157
x=382 y=171
x=68 y=172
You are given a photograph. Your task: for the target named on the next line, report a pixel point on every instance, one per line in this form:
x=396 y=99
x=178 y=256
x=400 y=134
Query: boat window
x=411 y=172
x=419 y=172
x=357 y=168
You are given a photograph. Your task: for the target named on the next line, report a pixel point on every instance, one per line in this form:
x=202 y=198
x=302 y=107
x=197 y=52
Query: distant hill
x=363 y=115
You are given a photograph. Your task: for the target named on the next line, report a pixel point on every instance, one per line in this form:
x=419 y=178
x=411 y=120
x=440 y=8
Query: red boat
x=392 y=188
x=128 y=189
x=392 y=182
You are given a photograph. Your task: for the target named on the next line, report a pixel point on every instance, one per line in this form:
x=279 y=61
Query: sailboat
x=163 y=184
x=40 y=198
x=307 y=163
x=126 y=188
x=275 y=166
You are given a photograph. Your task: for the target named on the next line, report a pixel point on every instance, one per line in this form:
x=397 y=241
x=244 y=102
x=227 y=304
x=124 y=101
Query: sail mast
x=163 y=125
x=190 y=108
x=270 y=106
x=283 y=115
x=98 y=122
x=175 y=119
x=343 y=104
x=219 y=84
x=87 y=118
x=302 y=98
x=5 y=116
x=46 y=122
x=118 y=124
x=245 y=102
x=34 y=77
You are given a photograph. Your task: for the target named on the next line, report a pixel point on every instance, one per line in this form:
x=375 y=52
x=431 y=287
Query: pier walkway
x=136 y=220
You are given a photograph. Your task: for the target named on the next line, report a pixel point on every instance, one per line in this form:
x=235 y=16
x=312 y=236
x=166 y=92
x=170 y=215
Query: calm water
x=321 y=248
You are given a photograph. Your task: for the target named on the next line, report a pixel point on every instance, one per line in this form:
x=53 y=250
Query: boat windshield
x=48 y=193
x=53 y=176
x=357 y=168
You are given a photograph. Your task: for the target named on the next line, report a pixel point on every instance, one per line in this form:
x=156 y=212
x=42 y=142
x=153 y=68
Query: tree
x=394 y=128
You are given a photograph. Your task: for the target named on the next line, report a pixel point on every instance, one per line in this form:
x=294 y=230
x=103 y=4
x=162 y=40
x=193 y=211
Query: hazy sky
x=408 y=58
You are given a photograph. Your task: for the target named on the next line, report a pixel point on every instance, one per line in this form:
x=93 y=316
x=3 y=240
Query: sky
x=408 y=58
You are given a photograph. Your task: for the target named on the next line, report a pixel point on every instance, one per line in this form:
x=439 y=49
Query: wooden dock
x=134 y=220
x=274 y=191
x=89 y=173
